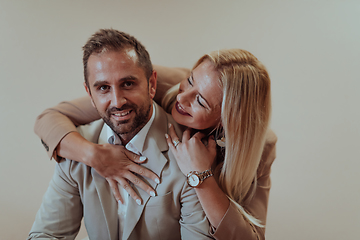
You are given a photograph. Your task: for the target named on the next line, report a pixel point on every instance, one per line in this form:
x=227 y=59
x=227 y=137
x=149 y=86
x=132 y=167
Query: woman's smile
x=181 y=110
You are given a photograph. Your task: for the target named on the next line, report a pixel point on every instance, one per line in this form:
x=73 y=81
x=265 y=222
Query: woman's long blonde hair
x=245 y=117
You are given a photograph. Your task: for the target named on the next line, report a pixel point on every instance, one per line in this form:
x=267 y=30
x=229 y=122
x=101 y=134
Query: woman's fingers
x=170 y=142
x=125 y=183
x=172 y=133
x=129 y=176
x=211 y=143
x=199 y=135
x=115 y=190
x=172 y=138
x=139 y=169
x=141 y=184
x=134 y=157
x=186 y=135
x=128 y=188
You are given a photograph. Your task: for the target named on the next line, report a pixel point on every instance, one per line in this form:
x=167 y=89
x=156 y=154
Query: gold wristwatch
x=194 y=178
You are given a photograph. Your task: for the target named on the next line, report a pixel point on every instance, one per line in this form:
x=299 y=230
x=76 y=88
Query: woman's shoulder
x=271 y=138
x=269 y=152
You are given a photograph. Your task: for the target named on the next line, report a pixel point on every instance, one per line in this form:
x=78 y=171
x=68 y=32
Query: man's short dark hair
x=114 y=40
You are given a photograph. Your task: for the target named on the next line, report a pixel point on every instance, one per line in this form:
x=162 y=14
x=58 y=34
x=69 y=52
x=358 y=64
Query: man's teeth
x=122 y=114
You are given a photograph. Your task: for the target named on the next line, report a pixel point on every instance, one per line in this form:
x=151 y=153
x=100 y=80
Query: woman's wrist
x=75 y=147
x=89 y=152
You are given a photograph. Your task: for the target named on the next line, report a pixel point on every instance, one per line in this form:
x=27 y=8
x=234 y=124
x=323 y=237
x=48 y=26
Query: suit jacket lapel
x=108 y=204
x=107 y=200
x=154 y=146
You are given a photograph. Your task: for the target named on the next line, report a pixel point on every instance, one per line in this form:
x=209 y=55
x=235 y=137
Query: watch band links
x=205 y=174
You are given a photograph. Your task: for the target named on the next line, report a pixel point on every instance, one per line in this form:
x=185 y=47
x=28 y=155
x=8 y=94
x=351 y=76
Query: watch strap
x=201 y=175
x=205 y=174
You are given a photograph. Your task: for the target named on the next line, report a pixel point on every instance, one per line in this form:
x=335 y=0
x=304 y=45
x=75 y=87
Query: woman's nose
x=184 y=98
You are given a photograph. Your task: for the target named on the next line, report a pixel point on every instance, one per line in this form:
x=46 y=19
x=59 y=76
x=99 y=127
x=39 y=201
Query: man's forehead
x=129 y=53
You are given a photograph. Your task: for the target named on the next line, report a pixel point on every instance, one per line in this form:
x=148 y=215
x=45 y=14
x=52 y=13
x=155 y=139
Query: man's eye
x=103 y=88
x=128 y=84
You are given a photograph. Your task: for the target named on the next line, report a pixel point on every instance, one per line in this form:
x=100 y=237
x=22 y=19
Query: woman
x=227 y=97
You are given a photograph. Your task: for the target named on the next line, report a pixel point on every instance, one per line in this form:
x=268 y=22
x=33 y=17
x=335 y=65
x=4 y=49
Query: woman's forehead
x=207 y=79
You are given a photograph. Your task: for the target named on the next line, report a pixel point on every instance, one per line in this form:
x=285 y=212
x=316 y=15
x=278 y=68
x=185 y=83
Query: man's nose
x=118 y=99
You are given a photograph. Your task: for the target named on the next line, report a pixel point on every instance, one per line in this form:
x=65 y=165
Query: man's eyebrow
x=104 y=82
x=99 y=83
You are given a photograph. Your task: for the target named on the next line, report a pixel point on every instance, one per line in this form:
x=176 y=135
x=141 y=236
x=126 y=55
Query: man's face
x=120 y=91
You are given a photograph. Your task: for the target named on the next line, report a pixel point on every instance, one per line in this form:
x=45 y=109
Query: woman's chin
x=179 y=118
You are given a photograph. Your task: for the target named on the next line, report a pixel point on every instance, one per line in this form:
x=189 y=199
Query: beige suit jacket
x=77 y=191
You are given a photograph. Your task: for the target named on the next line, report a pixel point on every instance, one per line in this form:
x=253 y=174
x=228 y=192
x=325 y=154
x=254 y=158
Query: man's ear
x=89 y=93
x=152 y=84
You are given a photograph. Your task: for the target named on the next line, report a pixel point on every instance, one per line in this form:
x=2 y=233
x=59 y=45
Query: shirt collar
x=136 y=144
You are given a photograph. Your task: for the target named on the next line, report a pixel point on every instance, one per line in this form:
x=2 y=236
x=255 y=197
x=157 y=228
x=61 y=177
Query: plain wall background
x=311 y=49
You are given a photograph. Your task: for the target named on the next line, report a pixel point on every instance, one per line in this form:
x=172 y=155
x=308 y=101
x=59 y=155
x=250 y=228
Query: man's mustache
x=123 y=108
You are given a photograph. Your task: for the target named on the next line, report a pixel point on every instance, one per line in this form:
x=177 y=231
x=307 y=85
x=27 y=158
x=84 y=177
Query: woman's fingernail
x=166 y=135
x=152 y=193
x=119 y=202
x=138 y=201
x=142 y=158
x=157 y=180
x=169 y=125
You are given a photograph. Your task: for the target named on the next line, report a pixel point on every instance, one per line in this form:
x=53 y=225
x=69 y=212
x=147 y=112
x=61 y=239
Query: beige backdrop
x=311 y=49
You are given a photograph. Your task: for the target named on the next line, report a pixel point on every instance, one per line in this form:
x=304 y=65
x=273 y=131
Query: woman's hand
x=118 y=165
x=191 y=153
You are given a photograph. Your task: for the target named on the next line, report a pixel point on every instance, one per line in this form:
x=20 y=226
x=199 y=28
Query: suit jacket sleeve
x=233 y=224
x=55 y=123
x=193 y=221
x=61 y=211
x=166 y=78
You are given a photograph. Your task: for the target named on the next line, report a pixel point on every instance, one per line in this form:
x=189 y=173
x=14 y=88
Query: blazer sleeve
x=233 y=225
x=61 y=211
x=168 y=77
x=193 y=221
x=55 y=123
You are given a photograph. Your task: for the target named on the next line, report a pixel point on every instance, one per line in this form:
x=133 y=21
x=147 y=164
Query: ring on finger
x=176 y=142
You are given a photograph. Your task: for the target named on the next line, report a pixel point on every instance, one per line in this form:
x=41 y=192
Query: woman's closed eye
x=190 y=81
x=198 y=98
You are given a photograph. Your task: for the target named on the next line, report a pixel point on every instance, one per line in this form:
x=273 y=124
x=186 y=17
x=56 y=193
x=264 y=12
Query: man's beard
x=121 y=127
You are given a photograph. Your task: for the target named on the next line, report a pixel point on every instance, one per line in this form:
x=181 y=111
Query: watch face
x=193 y=180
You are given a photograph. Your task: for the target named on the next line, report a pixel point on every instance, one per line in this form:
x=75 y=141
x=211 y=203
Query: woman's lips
x=180 y=109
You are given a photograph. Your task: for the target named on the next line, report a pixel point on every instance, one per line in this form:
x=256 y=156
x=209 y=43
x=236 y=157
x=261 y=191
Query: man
x=121 y=83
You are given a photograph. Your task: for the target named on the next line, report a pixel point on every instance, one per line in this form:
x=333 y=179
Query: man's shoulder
x=72 y=169
x=92 y=130
x=166 y=118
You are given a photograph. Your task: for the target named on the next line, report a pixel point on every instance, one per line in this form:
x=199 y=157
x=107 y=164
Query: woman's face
x=198 y=103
